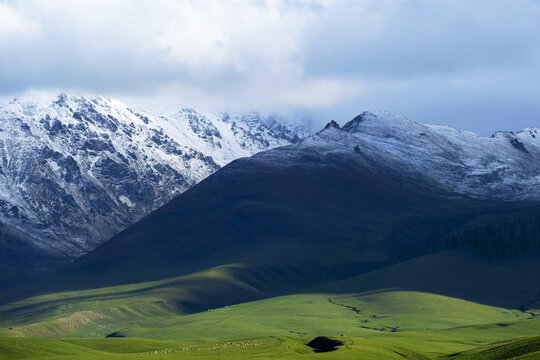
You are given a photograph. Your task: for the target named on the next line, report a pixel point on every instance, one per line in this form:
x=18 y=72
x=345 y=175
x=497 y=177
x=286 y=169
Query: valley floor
x=178 y=318
x=426 y=345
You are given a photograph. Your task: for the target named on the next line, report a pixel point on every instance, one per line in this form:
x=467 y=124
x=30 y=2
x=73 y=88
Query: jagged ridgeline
x=76 y=170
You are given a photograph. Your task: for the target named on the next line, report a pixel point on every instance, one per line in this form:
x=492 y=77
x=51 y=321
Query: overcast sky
x=474 y=65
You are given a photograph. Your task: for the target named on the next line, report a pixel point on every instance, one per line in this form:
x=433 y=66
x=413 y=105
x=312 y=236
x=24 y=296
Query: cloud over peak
x=417 y=57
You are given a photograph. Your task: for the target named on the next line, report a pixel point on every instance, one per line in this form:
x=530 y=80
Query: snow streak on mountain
x=505 y=166
x=76 y=170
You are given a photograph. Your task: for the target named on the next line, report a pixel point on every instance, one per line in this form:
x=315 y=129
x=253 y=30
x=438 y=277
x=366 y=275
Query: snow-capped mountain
x=505 y=166
x=76 y=170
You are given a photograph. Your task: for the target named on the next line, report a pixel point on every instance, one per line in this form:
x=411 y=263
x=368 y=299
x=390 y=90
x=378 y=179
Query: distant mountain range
x=76 y=170
x=377 y=191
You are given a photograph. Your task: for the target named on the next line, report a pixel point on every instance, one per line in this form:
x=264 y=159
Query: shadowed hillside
x=327 y=211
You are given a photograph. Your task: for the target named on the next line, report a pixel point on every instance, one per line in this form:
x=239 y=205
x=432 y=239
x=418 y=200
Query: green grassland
x=273 y=347
x=97 y=312
x=238 y=311
x=311 y=315
x=282 y=347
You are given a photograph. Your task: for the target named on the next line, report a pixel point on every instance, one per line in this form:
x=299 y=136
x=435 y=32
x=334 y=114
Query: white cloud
x=14 y=26
x=318 y=56
x=321 y=92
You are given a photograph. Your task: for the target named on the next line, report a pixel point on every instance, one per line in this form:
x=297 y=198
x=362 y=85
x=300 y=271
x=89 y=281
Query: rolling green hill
x=421 y=346
x=380 y=313
x=283 y=347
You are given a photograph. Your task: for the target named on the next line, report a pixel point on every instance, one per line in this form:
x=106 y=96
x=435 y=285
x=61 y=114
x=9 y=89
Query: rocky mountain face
x=76 y=170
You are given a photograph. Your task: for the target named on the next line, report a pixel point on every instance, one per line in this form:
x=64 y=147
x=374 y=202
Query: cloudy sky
x=474 y=65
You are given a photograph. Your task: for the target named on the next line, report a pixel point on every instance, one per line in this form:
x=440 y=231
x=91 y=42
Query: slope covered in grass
x=275 y=347
x=95 y=312
x=401 y=297
x=382 y=314
x=527 y=348
x=432 y=346
x=381 y=324
x=307 y=315
x=322 y=314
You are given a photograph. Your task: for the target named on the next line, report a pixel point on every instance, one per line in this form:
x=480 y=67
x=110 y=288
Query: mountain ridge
x=505 y=166
x=128 y=163
x=75 y=170
x=378 y=192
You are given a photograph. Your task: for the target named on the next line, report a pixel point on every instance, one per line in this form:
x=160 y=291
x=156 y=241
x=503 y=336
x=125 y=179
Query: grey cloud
x=421 y=37
x=473 y=65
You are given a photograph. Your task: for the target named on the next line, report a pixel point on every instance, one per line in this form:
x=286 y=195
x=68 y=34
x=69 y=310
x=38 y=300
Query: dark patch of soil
x=323 y=344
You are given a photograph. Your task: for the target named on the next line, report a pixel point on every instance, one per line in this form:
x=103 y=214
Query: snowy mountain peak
x=505 y=166
x=332 y=124
x=511 y=138
x=353 y=125
x=74 y=170
x=503 y=135
x=378 y=122
x=533 y=133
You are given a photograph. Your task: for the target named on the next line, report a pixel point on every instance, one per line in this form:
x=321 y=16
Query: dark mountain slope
x=18 y=257
x=288 y=206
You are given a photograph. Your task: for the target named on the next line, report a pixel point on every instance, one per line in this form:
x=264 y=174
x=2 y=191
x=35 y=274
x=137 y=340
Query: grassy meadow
x=226 y=312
